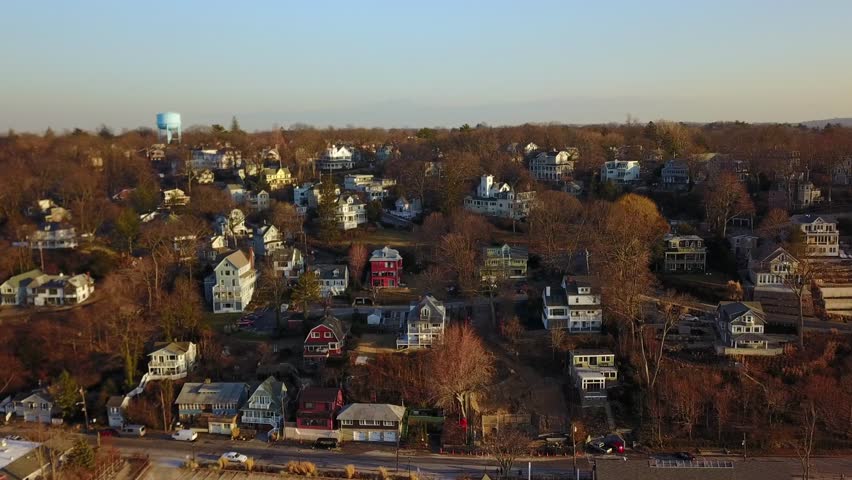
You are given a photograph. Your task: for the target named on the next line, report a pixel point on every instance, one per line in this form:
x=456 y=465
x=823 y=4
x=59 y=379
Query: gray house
x=371 y=422
x=266 y=405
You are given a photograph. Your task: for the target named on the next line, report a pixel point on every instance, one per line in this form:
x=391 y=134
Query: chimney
x=547 y=291
x=251 y=257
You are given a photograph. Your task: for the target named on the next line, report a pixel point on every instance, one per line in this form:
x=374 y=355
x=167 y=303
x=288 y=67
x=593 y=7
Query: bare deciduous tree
x=461 y=366
x=506 y=445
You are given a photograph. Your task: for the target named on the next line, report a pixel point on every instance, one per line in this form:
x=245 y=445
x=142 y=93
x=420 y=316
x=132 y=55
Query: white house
x=553 y=166
x=498 y=199
x=277 y=178
x=405 y=209
x=770 y=267
x=620 y=171
x=56 y=290
x=351 y=212
x=14 y=290
x=258 y=201
x=224 y=158
x=576 y=306
x=333 y=279
x=266 y=240
x=53 y=236
x=237 y=192
x=232 y=283
x=593 y=371
x=335 y=158
x=234 y=225
x=265 y=407
x=175 y=197
x=288 y=262
x=307 y=195
x=807 y=195
x=424 y=324
x=373 y=188
x=821 y=235
x=171 y=360
x=37 y=407
x=116 y=408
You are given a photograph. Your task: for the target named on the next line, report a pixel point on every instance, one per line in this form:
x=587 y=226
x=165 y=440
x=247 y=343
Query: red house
x=324 y=341
x=318 y=407
x=385 y=268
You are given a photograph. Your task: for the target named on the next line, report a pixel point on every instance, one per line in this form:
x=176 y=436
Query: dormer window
x=424 y=312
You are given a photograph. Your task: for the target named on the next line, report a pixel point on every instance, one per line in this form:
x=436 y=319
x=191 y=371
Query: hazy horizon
x=391 y=64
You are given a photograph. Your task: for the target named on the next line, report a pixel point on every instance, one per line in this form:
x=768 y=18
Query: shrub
x=250 y=464
x=307 y=469
x=349 y=471
x=222 y=463
x=384 y=474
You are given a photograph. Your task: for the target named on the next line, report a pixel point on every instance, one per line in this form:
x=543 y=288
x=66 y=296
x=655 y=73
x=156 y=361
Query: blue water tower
x=168 y=126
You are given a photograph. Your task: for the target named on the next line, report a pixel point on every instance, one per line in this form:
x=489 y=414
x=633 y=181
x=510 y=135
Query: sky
x=406 y=63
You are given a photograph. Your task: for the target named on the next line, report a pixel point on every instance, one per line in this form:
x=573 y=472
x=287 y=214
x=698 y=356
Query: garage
x=375 y=436
x=390 y=436
x=359 y=436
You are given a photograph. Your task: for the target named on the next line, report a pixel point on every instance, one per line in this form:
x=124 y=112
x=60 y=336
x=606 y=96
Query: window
x=346 y=422
x=326 y=335
x=370 y=423
x=315 y=335
x=309 y=405
x=388 y=424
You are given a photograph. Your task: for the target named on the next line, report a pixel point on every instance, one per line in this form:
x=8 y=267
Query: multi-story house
x=385 y=268
x=553 y=166
x=53 y=236
x=175 y=197
x=424 y=324
x=171 y=360
x=277 y=178
x=499 y=200
x=266 y=240
x=684 y=253
x=225 y=158
x=324 y=341
x=351 y=212
x=116 y=408
x=620 y=171
x=308 y=195
x=675 y=175
x=841 y=173
x=385 y=153
x=333 y=279
x=156 y=152
x=371 y=422
x=741 y=325
x=38 y=407
x=55 y=290
x=231 y=286
x=574 y=306
x=237 y=192
x=373 y=188
x=288 y=262
x=14 y=290
x=257 y=201
x=266 y=407
x=503 y=262
x=405 y=209
x=807 y=195
x=770 y=266
x=335 y=158
x=822 y=239
x=233 y=225
x=318 y=407
x=215 y=405
x=593 y=371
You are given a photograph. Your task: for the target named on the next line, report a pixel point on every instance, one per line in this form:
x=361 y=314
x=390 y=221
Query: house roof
x=237 y=259
x=513 y=251
x=385 y=253
x=734 y=310
x=769 y=252
x=319 y=394
x=276 y=390
x=115 y=401
x=178 y=348
x=334 y=324
x=325 y=271
x=211 y=393
x=372 y=411
x=807 y=218
x=437 y=310
x=591 y=351
x=20 y=278
x=638 y=469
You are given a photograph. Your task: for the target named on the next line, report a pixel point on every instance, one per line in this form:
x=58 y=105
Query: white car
x=234 y=457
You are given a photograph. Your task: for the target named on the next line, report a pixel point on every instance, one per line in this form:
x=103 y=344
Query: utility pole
x=85 y=411
x=574 y=450
x=744 y=446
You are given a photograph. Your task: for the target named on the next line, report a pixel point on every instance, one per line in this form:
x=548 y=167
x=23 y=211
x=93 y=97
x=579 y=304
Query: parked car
x=234 y=457
x=245 y=322
x=14 y=437
x=108 y=432
x=325 y=443
x=133 y=430
x=185 y=435
x=598 y=447
x=684 y=456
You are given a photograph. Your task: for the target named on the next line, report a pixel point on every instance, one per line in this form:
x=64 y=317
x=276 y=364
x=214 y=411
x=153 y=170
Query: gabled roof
x=807 y=218
x=319 y=394
x=382 y=412
x=735 y=310
x=334 y=324
x=178 y=348
x=437 y=310
x=274 y=389
x=238 y=259
x=325 y=271
x=506 y=250
x=211 y=393
x=384 y=254
x=115 y=401
x=770 y=252
x=23 y=278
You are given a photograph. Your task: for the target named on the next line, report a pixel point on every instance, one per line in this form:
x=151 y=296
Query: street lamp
x=574 y=450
